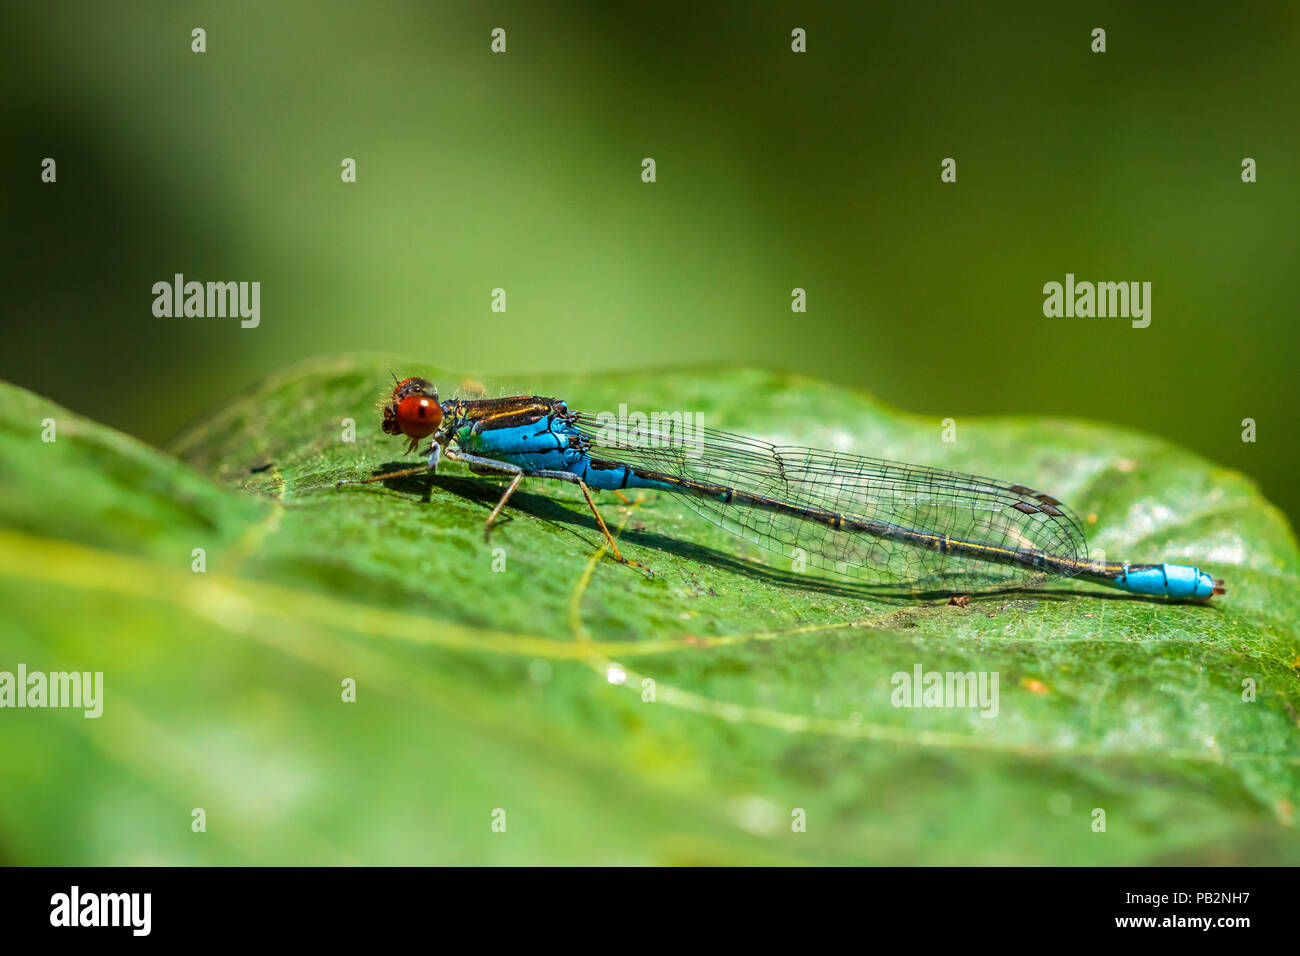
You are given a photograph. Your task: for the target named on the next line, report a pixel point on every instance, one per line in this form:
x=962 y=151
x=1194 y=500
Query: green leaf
x=522 y=688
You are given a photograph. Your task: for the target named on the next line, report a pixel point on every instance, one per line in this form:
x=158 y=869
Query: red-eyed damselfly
x=881 y=522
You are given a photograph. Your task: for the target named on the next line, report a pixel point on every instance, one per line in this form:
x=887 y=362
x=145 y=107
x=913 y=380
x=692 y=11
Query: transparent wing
x=896 y=497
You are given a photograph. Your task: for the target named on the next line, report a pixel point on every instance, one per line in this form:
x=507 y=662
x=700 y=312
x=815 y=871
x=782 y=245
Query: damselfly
x=882 y=522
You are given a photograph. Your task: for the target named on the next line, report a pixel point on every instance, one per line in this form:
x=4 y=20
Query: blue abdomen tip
x=1168 y=580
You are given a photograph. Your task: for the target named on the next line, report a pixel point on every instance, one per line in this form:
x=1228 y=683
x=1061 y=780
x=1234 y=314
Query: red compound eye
x=418 y=416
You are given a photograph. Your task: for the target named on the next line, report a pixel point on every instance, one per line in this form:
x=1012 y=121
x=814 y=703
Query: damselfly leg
x=586 y=493
x=435 y=455
x=490 y=466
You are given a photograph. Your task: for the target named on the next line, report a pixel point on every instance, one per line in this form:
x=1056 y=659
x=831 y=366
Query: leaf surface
x=690 y=710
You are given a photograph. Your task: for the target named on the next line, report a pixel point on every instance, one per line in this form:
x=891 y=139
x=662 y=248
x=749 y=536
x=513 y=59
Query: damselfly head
x=412 y=411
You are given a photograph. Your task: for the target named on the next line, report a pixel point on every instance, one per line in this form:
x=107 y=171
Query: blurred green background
x=775 y=171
